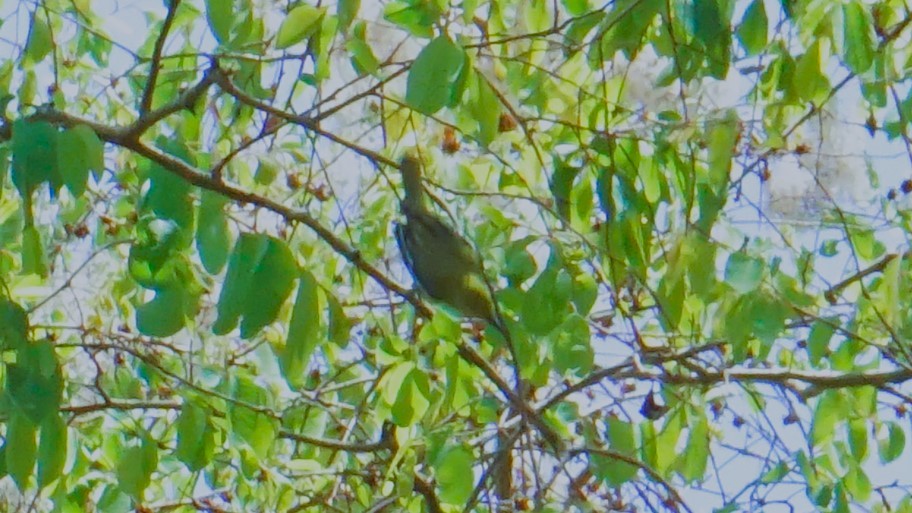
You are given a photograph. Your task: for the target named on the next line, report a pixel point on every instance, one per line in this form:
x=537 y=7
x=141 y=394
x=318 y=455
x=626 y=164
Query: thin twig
x=155 y=65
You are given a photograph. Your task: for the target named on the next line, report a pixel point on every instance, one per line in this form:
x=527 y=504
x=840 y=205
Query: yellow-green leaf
x=40 y=40
x=302 y=22
x=752 y=32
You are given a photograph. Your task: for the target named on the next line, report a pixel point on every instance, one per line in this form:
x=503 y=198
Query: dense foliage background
x=693 y=211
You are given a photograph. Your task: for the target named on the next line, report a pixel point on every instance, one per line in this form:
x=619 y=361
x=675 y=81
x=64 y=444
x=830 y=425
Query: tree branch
x=426 y=489
x=124 y=138
x=186 y=100
x=326 y=443
x=831 y=293
x=155 y=65
x=305 y=121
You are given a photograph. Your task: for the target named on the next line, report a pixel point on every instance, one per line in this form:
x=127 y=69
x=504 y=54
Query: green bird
x=444 y=265
x=448 y=269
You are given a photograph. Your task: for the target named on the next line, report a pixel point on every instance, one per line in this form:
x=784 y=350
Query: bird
x=444 y=265
x=447 y=268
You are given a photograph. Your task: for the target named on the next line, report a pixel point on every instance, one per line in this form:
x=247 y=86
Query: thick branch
x=124 y=139
x=816 y=381
x=426 y=489
x=127 y=138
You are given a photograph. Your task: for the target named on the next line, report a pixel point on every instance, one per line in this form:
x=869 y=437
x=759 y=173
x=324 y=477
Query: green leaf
x=34 y=382
x=417 y=17
x=831 y=409
x=434 y=78
x=519 y=265
x=809 y=80
x=866 y=244
x=581 y=27
x=40 y=40
x=864 y=401
x=156 y=257
x=169 y=197
x=13 y=325
x=545 y=304
x=744 y=272
x=267 y=171
x=261 y=273
x=322 y=46
x=274 y=278
x=79 y=151
x=135 y=468
x=561 y=184
x=776 y=473
x=363 y=58
x=696 y=452
x=195 y=437
x=572 y=351
x=393 y=380
x=451 y=469
x=303 y=331
x=666 y=441
x=347 y=11
x=35 y=158
x=576 y=7
x=808 y=471
x=712 y=187
x=712 y=27
x=858 y=37
x=829 y=248
x=857 y=483
x=52 y=450
x=621 y=439
x=698 y=251
x=858 y=439
x=624 y=28
x=255 y=428
x=220 y=15
x=340 y=325
x=735 y=326
x=213 y=237
x=585 y=293
x=752 y=33
x=768 y=316
x=164 y=315
x=411 y=398
x=818 y=344
x=247 y=254
x=21 y=450
x=33 y=258
x=485 y=108
x=723 y=139
x=302 y=22
x=892 y=447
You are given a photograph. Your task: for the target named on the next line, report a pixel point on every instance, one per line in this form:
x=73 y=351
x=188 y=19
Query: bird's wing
x=402 y=240
x=444 y=238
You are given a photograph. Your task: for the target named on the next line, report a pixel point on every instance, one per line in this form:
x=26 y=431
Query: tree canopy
x=693 y=215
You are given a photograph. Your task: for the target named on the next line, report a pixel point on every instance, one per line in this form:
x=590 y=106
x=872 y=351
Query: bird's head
x=410 y=167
